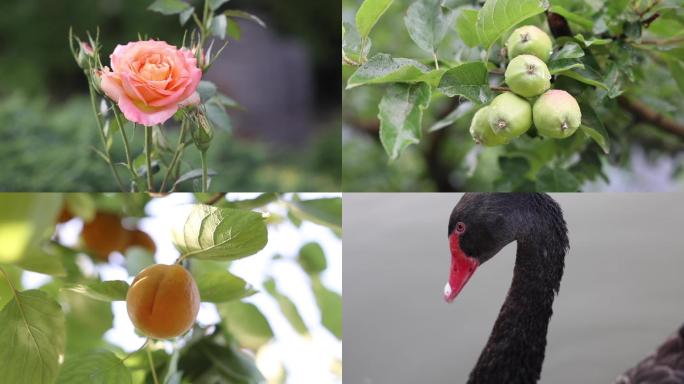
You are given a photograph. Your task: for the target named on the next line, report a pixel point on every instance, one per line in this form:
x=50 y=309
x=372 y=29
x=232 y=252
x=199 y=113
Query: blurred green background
x=288 y=138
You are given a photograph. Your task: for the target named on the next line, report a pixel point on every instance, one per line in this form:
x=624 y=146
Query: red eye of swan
x=460 y=228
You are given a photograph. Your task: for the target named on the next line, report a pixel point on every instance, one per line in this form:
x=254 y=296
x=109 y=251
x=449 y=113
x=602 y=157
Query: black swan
x=480 y=225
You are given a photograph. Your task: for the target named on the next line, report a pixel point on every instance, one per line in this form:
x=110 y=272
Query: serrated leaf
x=218 y=286
x=246 y=322
x=556 y=180
x=369 y=13
x=401 y=116
x=244 y=15
x=312 y=258
x=325 y=211
x=427 y=23
x=110 y=290
x=169 y=7
x=466 y=26
x=498 y=16
x=287 y=307
x=94 y=367
x=382 y=68
x=32 y=338
x=221 y=233
x=469 y=80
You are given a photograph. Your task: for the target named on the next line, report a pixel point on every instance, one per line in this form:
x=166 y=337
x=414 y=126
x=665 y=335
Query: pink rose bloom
x=150 y=80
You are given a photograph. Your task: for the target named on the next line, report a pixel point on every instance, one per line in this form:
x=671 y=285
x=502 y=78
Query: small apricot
x=163 y=301
x=138 y=238
x=104 y=235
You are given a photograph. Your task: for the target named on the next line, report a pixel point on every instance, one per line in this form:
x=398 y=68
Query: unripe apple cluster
x=555 y=113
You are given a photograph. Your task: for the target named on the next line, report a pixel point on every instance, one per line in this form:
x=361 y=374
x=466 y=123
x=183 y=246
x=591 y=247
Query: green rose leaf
x=32 y=338
x=221 y=233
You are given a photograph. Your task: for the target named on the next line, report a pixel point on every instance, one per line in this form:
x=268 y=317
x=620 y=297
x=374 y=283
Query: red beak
x=462 y=267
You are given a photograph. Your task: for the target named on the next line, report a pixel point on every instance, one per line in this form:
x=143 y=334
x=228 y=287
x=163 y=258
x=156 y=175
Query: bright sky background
x=306 y=360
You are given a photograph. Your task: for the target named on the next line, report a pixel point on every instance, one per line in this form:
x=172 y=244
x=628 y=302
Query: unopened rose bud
x=203 y=133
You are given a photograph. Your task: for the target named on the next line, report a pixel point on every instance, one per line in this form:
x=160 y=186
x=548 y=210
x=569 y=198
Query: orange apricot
x=104 y=235
x=163 y=301
x=138 y=238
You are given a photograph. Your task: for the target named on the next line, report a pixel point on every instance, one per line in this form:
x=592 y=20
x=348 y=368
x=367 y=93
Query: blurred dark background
x=286 y=76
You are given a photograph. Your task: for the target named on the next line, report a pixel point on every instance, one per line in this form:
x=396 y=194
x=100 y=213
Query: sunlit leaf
x=219 y=285
x=221 y=233
x=330 y=304
x=325 y=211
x=110 y=290
x=498 y=16
x=96 y=367
x=369 y=13
x=287 y=307
x=246 y=323
x=32 y=337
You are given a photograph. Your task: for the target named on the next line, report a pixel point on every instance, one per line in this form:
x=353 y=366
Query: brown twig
x=644 y=113
x=216 y=198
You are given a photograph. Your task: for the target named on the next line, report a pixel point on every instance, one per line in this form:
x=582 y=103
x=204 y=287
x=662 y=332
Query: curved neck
x=516 y=346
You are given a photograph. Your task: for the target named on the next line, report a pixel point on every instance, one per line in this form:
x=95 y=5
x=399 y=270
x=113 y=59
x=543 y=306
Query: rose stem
x=176 y=154
x=205 y=177
x=102 y=136
x=148 y=156
x=126 y=148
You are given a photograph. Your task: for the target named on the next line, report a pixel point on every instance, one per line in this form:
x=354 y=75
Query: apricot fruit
x=163 y=301
x=138 y=238
x=556 y=114
x=529 y=40
x=510 y=115
x=104 y=235
x=528 y=76
x=481 y=131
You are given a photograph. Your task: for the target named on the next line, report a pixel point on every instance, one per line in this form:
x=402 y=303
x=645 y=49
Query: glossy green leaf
x=246 y=323
x=401 y=116
x=221 y=233
x=382 y=68
x=169 y=7
x=287 y=307
x=94 y=367
x=369 y=13
x=469 y=80
x=110 y=290
x=326 y=211
x=466 y=26
x=498 y=16
x=427 y=23
x=312 y=259
x=219 y=285
x=32 y=338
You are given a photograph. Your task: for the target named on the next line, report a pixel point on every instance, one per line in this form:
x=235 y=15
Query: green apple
x=556 y=114
x=510 y=115
x=529 y=40
x=481 y=131
x=528 y=76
